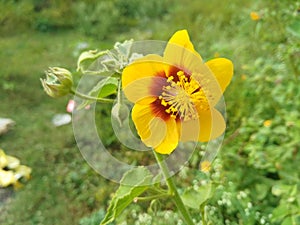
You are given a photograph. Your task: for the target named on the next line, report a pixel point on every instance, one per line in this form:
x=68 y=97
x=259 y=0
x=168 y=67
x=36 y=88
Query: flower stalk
x=88 y=97
x=203 y=219
x=149 y=198
x=173 y=189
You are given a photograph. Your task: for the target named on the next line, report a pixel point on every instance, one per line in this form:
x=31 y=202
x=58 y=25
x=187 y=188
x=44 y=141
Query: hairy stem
x=173 y=190
x=88 y=97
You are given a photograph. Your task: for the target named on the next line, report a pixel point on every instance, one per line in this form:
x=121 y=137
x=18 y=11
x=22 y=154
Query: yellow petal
x=140 y=78
x=12 y=162
x=182 y=39
x=3 y=159
x=145 y=121
x=189 y=130
x=212 y=125
x=6 y=178
x=222 y=69
x=23 y=171
x=170 y=140
x=210 y=92
x=209 y=125
x=154 y=131
x=180 y=52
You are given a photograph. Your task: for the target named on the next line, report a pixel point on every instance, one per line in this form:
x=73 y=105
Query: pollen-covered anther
x=170 y=78
x=164 y=103
x=180 y=73
x=179 y=97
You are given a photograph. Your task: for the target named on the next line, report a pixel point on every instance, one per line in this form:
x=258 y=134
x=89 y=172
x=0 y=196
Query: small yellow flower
x=254 y=16
x=267 y=123
x=205 y=166
x=244 y=77
x=175 y=95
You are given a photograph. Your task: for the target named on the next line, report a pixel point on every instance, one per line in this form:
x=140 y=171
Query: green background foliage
x=255 y=179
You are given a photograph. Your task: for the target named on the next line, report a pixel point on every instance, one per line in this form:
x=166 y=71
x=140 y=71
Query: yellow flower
x=6 y=178
x=267 y=123
x=175 y=95
x=254 y=16
x=205 y=166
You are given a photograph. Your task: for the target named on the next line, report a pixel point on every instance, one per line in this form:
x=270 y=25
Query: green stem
x=173 y=190
x=203 y=216
x=148 y=198
x=88 y=97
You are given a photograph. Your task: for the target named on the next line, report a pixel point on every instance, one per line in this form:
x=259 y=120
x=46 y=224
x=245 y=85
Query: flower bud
x=58 y=82
x=120 y=112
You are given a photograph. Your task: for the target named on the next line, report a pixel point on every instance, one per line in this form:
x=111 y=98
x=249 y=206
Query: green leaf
x=288 y=221
x=133 y=184
x=284 y=189
x=106 y=87
x=157 y=180
x=103 y=88
x=280 y=212
x=262 y=190
x=124 y=48
x=195 y=198
x=87 y=58
x=291 y=220
x=294 y=28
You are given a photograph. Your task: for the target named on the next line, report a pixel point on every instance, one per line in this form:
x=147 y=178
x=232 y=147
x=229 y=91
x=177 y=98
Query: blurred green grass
x=63 y=189
x=50 y=151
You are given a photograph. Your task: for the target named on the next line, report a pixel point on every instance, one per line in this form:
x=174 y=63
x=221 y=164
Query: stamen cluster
x=180 y=95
